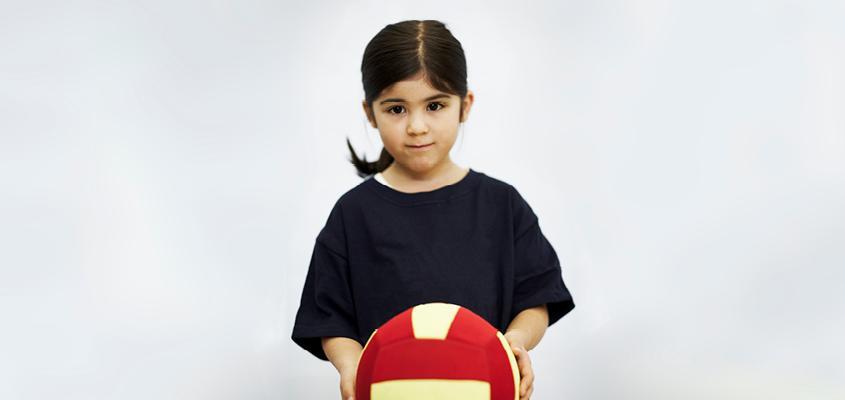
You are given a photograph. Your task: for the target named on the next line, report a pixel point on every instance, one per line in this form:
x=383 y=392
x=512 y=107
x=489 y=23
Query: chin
x=420 y=166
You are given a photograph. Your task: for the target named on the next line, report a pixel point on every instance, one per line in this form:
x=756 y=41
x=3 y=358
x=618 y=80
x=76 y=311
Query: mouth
x=422 y=146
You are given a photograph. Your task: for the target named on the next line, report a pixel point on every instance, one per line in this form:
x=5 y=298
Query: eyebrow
x=394 y=100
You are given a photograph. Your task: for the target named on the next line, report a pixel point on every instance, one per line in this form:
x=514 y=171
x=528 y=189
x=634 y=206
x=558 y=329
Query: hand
x=344 y=353
x=347 y=383
x=523 y=362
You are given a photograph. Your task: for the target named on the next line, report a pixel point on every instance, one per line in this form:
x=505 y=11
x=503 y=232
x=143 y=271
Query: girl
x=421 y=228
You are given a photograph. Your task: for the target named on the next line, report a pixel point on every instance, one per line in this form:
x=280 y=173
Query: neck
x=444 y=174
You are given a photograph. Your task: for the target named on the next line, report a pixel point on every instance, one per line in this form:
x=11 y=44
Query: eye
x=441 y=105
x=438 y=108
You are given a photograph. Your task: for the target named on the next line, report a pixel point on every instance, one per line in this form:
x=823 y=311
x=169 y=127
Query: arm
x=344 y=353
x=529 y=326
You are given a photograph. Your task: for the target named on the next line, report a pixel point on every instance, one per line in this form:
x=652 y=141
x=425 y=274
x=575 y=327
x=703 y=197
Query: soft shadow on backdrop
x=165 y=168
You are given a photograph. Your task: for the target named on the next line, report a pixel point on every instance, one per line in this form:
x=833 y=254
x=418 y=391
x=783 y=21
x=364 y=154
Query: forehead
x=411 y=90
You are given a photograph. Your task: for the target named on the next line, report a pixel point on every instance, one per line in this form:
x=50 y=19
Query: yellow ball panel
x=430 y=389
x=433 y=320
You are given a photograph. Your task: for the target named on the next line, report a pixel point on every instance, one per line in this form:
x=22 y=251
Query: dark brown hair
x=400 y=51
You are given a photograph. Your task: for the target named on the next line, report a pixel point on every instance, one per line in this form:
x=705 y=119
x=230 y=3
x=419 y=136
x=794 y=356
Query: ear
x=369 y=113
x=467 y=104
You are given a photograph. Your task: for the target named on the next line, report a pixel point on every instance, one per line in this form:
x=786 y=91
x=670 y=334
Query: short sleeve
x=538 y=275
x=326 y=307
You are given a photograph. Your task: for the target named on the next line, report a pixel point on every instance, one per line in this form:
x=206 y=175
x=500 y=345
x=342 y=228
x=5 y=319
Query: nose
x=417 y=124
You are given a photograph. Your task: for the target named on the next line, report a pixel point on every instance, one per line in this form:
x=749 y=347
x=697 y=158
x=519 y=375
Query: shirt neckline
x=432 y=196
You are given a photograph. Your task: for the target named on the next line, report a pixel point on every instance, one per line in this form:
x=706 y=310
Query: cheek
x=390 y=138
x=448 y=122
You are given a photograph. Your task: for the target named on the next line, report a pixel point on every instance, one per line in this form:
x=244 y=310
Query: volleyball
x=437 y=351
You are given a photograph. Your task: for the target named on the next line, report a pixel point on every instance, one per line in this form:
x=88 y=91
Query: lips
x=420 y=146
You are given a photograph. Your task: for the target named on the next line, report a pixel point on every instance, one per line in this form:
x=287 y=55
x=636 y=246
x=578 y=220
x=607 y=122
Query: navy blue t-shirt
x=476 y=243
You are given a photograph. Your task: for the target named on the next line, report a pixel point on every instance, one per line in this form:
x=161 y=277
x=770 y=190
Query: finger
x=524 y=363
x=529 y=379
x=527 y=394
x=517 y=352
x=526 y=384
x=520 y=351
x=523 y=376
x=347 y=391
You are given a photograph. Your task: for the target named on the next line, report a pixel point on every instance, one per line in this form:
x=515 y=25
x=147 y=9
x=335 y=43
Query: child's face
x=407 y=115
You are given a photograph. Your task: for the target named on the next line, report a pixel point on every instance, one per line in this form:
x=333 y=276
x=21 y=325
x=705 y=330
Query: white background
x=165 y=167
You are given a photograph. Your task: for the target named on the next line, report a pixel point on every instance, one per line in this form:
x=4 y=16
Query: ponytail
x=364 y=168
